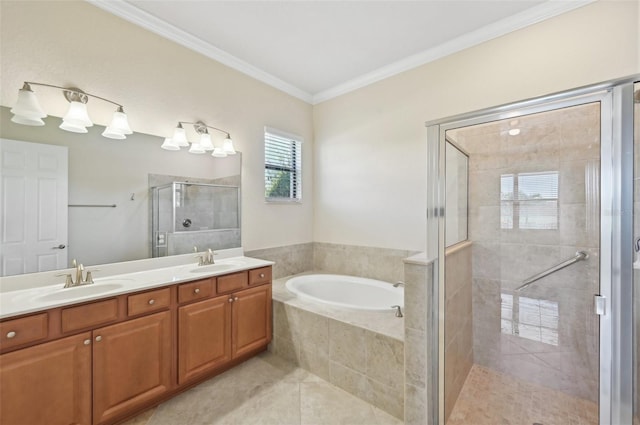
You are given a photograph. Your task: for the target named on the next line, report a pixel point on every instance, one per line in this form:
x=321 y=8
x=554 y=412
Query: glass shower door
x=636 y=263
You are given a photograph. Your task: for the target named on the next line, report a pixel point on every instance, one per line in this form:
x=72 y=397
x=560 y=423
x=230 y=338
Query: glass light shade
x=77 y=115
x=196 y=148
x=170 y=145
x=113 y=133
x=180 y=137
x=205 y=142
x=21 y=119
x=27 y=110
x=219 y=153
x=227 y=147
x=119 y=123
x=73 y=128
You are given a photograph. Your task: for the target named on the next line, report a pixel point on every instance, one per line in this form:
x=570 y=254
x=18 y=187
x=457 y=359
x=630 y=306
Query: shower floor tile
x=266 y=390
x=491 y=398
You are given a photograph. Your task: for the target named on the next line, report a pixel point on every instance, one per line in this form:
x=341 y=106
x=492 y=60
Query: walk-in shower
x=534 y=260
x=186 y=214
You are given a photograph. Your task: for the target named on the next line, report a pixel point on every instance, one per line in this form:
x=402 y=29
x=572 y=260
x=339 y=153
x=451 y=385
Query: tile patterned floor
x=265 y=390
x=493 y=398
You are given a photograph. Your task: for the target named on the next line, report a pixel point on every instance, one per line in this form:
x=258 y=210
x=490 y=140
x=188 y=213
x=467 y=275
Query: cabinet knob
x=11 y=334
x=230 y=300
x=152 y=301
x=196 y=291
x=87 y=341
x=235 y=298
x=98 y=338
x=261 y=275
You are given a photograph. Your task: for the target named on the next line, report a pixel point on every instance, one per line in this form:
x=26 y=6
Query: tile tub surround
x=265 y=389
x=289 y=260
x=418 y=291
x=361 y=352
x=375 y=263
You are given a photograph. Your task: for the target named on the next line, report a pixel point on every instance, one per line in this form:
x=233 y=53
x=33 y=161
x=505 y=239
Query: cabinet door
x=131 y=365
x=251 y=319
x=48 y=383
x=204 y=341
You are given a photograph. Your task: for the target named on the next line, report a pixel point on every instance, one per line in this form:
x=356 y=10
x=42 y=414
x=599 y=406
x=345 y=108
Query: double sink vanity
x=100 y=353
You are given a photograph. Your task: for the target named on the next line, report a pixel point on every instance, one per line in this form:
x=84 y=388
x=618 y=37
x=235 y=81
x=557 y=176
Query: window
x=529 y=201
x=282 y=166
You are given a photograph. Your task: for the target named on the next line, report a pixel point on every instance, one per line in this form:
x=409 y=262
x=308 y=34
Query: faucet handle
x=68 y=281
x=89 y=277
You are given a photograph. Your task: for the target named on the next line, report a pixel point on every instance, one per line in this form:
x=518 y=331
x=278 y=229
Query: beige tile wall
x=417 y=376
x=567 y=142
x=362 y=362
x=289 y=260
x=458 y=333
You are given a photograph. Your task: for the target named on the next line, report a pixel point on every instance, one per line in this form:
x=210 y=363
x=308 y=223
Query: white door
x=33 y=201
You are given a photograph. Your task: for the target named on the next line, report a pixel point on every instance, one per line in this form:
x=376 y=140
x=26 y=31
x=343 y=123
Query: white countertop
x=14 y=302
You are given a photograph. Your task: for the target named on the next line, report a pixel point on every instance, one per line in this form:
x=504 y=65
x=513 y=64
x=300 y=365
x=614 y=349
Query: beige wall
x=370 y=144
x=72 y=43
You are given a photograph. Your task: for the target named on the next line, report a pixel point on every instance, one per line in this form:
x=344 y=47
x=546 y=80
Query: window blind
x=282 y=166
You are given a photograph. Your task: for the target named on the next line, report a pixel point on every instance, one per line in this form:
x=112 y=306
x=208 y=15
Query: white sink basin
x=213 y=268
x=82 y=291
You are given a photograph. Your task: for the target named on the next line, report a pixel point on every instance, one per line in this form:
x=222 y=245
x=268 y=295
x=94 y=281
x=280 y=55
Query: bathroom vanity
x=105 y=359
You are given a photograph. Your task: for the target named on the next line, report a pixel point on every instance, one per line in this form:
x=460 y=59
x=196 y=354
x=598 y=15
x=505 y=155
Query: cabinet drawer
x=196 y=290
x=148 y=301
x=24 y=330
x=232 y=282
x=260 y=276
x=89 y=315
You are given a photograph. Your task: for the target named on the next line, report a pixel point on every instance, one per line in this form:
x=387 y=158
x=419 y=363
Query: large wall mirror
x=108 y=200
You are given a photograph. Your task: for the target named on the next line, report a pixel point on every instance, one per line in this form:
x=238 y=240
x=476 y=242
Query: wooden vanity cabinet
x=251 y=320
x=101 y=362
x=48 y=383
x=204 y=337
x=131 y=365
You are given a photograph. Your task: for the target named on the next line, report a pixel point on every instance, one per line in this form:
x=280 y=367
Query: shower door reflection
x=531 y=355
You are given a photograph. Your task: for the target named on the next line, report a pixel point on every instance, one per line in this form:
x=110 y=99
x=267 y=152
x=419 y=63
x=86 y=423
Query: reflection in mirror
x=457 y=165
x=108 y=190
x=190 y=214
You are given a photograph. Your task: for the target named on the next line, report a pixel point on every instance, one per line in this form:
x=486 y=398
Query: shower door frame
x=616 y=236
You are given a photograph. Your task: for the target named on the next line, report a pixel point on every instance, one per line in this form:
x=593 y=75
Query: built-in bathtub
x=360 y=350
x=347 y=291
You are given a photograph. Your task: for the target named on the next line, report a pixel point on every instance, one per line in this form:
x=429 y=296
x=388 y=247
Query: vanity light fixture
x=204 y=143
x=28 y=111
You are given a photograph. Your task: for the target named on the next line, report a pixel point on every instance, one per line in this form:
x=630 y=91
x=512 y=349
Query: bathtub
x=347 y=291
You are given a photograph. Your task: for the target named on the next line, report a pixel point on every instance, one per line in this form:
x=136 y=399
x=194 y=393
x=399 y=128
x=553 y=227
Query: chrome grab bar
x=580 y=256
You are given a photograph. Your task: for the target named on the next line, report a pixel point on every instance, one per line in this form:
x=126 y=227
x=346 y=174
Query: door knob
x=61 y=246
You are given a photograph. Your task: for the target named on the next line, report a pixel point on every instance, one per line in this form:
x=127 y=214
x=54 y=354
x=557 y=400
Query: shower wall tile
x=458 y=333
x=183 y=242
x=289 y=260
x=508 y=333
x=419 y=337
x=375 y=263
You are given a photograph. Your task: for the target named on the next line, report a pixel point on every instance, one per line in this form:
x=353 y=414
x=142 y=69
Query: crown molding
x=521 y=20
x=145 y=20
x=497 y=29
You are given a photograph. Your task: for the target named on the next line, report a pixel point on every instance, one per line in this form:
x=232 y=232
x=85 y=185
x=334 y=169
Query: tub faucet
x=398 y=310
x=398 y=283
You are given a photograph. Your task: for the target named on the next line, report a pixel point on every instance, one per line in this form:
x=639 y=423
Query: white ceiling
x=316 y=50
